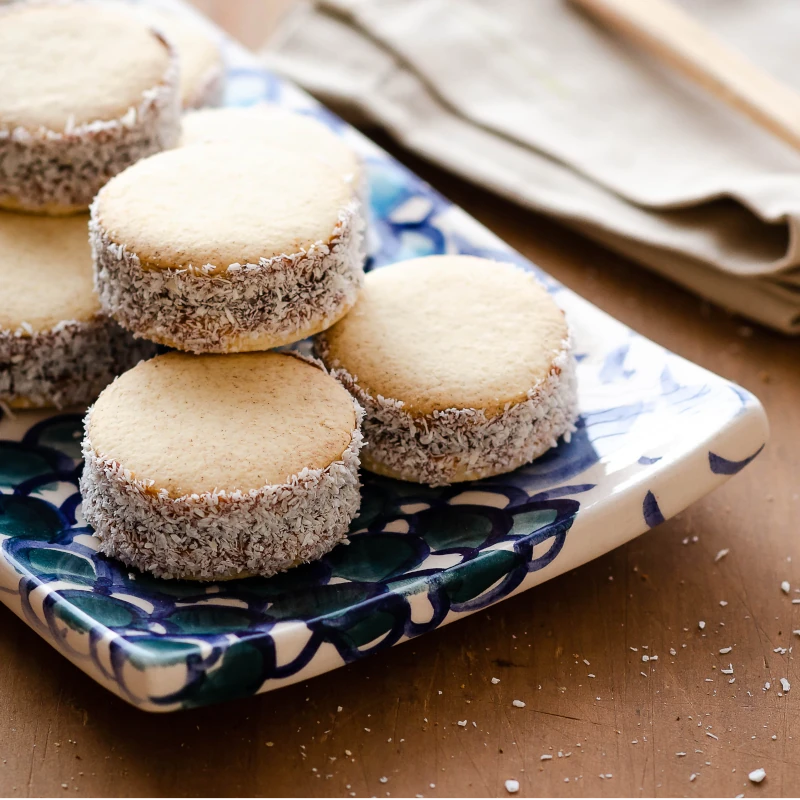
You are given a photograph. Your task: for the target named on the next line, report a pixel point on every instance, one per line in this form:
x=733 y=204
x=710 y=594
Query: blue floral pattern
x=655 y=433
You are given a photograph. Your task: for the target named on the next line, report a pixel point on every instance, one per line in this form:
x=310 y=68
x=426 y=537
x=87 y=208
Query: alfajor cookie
x=277 y=127
x=57 y=348
x=202 y=71
x=211 y=467
x=463 y=367
x=227 y=247
x=87 y=90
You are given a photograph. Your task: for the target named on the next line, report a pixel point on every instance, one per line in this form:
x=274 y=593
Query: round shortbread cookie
x=202 y=71
x=277 y=127
x=211 y=467
x=87 y=90
x=57 y=348
x=227 y=247
x=463 y=366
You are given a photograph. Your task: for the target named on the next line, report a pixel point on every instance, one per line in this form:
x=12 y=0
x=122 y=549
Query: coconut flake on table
x=785 y=685
x=757 y=775
x=512 y=786
x=721 y=554
x=786 y=587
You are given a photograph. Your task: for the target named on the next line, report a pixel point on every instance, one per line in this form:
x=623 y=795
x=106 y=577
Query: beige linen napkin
x=531 y=99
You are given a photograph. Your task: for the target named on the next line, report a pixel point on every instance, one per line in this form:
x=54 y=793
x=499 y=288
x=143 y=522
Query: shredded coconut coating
x=56 y=172
x=245 y=307
x=221 y=535
x=460 y=444
x=68 y=365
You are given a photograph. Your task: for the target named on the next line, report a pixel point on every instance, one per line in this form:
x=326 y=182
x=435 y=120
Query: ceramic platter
x=655 y=433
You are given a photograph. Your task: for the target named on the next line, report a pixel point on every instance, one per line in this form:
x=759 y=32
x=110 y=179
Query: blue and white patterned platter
x=656 y=433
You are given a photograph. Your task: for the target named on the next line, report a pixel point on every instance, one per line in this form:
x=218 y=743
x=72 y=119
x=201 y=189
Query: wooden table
x=64 y=735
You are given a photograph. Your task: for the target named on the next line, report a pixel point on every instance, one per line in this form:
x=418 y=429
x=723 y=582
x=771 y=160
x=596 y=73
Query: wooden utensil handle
x=668 y=32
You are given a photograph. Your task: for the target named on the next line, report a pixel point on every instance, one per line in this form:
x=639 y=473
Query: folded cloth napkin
x=536 y=102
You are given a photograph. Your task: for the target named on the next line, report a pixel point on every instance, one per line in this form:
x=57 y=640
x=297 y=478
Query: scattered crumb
x=495 y=680
x=758 y=775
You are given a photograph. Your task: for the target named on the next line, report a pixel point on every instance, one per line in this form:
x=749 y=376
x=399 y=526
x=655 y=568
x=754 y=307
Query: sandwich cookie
x=57 y=348
x=277 y=127
x=227 y=247
x=202 y=78
x=87 y=90
x=463 y=367
x=212 y=467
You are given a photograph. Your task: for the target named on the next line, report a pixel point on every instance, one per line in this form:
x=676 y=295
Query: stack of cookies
x=227 y=460
x=87 y=90
x=223 y=235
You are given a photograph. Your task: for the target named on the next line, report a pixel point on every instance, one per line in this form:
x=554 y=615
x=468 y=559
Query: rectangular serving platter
x=656 y=433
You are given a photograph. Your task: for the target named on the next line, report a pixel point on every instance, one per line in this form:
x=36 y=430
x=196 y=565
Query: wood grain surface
x=388 y=726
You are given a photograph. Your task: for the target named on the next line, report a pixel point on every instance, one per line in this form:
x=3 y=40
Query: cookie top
x=449 y=332
x=198 y=52
x=195 y=424
x=221 y=204
x=274 y=126
x=45 y=271
x=69 y=64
